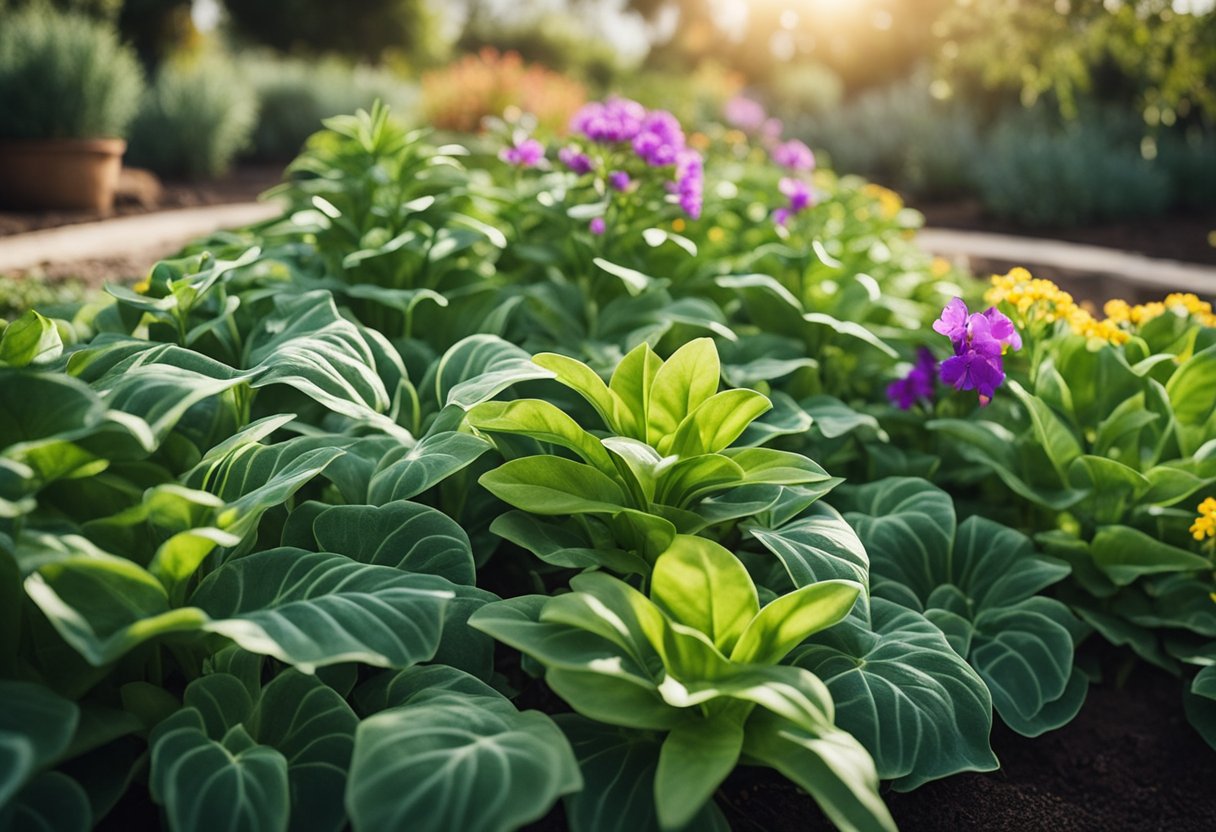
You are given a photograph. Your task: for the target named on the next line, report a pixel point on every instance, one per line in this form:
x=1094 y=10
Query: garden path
x=1092 y=272
x=157 y=234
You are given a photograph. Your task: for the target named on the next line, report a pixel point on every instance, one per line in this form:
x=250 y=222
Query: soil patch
x=1128 y=761
x=141 y=193
x=1184 y=237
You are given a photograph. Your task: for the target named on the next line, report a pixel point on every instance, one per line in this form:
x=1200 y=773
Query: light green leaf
x=431 y=461
x=550 y=485
x=818 y=545
x=1125 y=554
x=695 y=758
x=543 y=422
x=702 y=585
x=31 y=339
x=788 y=620
x=718 y=421
x=687 y=379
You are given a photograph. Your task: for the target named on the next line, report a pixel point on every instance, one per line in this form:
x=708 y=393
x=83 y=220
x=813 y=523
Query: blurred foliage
x=694 y=97
x=460 y=95
x=158 y=28
x=365 y=29
x=194 y=120
x=1142 y=50
x=64 y=76
x=294 y=95
x=1037 y=174
x=802 y=92
x=18 y=294
x=555 y=40
x=101 y=9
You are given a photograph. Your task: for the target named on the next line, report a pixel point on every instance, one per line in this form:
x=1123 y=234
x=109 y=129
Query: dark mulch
x=1129 y=761
x=141 y=193
x=1182 y=236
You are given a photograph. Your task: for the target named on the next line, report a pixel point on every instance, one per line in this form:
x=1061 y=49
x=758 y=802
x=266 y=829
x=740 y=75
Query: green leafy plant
x=666 y=455
x=64 y=76
x=697 y=660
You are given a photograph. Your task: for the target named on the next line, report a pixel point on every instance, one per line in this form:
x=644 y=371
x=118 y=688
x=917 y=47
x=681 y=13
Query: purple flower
x=609 y=122
x=917 y=385
x=744 y=113
x=660 y=139
x=619 y=180
x=575 y=160
x=526 y=153
x=690 y=182
x=979 y=340
x=794 y=155
x=771 y=130
x=799 y=196
x=597 y=226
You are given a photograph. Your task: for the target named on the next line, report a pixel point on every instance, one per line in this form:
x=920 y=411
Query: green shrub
x=64 y=76
x=902 y=136
x=1190 y=160
x=1090 y=171
x=194 y=120
x=294 y=96
x=803 y=92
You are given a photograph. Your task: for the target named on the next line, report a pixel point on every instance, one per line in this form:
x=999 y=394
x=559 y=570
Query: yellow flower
x=142 y=286
x=699 y=140
x=889 y=202
x=940 y=267
x=716 y=234
x=677 y=225
x=1118 y=311
x=1205 y=524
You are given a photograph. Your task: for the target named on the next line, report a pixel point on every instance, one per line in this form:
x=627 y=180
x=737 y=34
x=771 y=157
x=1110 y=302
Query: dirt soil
x=1185 y=237
x=140 y=193
x=1129 y=761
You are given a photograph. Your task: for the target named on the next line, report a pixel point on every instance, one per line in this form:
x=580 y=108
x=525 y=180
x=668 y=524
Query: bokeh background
x=1015 y=113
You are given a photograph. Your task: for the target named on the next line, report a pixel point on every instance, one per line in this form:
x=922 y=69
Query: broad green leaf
x=633 y=380
x=477 y=369
x=788 y=620
x=851 y=329
x=203 y=784
x=1125 y=554
x=918 y=708
x=618 y=767
x=31 y=339
x=818 y=545
x=634 y=281
x=36 y=726
x=1055 y=437
x=560 y=546
x=1200 y=704
x=700 y=584
x=52 y=802
x=582 y=379
x=306 y=344
x=833 y=418
x=455 y=761
x=551 y=485
x=830 y=764
x=695 y=758
x=766 y=465
x=405 y=536
x=432 y=460
x=686 y=380
x=312 y=609
x=543 y=422
x=718 y=421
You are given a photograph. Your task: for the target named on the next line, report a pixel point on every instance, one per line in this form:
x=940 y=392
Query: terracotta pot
x=60 y=173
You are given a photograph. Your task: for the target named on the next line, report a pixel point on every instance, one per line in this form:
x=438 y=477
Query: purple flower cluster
x=575 y=160
x=660 y=139
x=609 y=122
x=525 y=153
x=690 y=182
x=744 y=113
x=979 y=340
x=917 y=385
x=654 y=136
x=794 y=155
x=800 y=198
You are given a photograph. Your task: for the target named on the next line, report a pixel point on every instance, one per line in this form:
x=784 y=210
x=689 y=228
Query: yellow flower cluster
x=1121 y=312
x=1032 y=298
x=1205 y=525
x=1037 y=300
x=889 y=202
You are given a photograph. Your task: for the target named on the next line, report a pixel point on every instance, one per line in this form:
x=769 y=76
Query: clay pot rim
x=102 y=146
